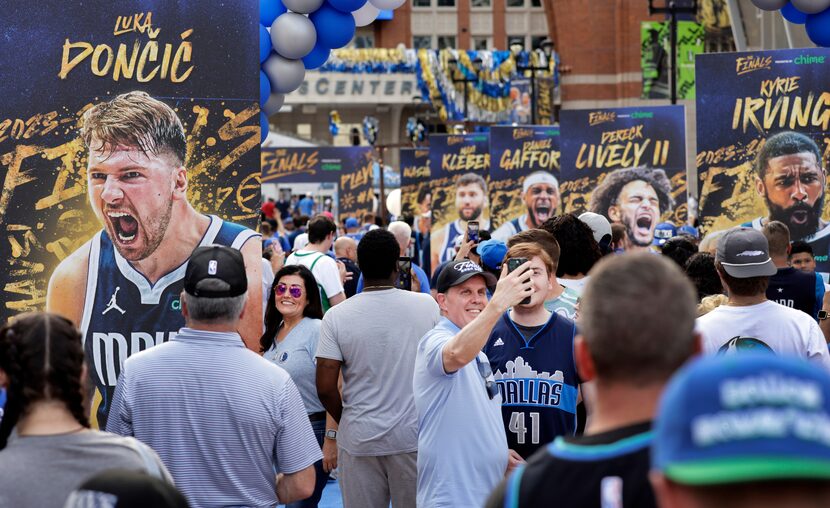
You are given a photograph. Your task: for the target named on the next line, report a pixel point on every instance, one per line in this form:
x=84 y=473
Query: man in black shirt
x=791 y=287
x=637 y=327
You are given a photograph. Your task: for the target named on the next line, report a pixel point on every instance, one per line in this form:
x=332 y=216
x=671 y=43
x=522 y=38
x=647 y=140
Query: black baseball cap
x=120 y=488
x=216 y=262
x=457 y=272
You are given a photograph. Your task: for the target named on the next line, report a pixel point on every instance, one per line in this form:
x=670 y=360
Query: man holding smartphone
x=462 y=450
x=531 y=354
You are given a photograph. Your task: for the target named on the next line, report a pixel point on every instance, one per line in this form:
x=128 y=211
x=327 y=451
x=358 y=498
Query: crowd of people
x=547 y=368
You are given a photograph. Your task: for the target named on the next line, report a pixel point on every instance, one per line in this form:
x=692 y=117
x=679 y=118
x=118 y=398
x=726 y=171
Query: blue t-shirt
x=422 y=279
x=306 y=206
x=462 y=449
x=537 y=379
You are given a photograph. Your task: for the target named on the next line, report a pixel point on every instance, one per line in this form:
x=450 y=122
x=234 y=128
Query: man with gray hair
x=403 y=235
x=223 y=444
x=629 y=367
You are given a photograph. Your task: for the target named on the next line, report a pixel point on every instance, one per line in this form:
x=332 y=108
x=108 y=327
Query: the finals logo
x=598 y=117
x=747 y=64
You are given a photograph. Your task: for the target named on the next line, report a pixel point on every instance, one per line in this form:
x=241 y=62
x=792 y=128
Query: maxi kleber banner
x=763 y=135
x=459 y=166
x=524 y=173
x=349 y=167
x=628 y=164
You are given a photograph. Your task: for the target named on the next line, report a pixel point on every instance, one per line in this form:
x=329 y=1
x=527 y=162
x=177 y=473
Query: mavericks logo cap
x=457 y=272
x=744 y=418
x=744 y=253
x=220 y=263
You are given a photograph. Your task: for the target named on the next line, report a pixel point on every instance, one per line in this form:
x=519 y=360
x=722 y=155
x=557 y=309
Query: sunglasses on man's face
x=295 y=290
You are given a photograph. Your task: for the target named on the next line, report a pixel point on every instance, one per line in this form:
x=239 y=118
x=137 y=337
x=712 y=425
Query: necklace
x=377 y=288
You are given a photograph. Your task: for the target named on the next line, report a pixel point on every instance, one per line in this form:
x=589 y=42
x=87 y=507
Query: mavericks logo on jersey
x=521 y=385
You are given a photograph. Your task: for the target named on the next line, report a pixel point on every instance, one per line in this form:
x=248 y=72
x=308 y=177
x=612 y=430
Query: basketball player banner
x=636 y=155
x=75 y=58
x=516 y=152
x=454 y=158
x=765 y=105
x=350 y=167
x=101 y=234
x=414 y=179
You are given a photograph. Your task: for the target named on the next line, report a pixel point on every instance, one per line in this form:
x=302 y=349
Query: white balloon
x=769 y=5
x=365 y=14
x=393 y=201
x=293 y=35
x=302 y=6
x=285 y=75
x=811 y=6
x=386 y=5
x=273 y=104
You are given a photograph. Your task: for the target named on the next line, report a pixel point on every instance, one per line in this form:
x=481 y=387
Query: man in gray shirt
x=372 y=337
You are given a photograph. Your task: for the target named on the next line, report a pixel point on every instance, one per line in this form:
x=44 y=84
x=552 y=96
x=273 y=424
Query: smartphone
x=404 y=274
x=472 y=231
x=512 y=264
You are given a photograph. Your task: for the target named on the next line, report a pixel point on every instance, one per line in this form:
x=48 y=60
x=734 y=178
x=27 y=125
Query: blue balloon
x=793 y=15
x=269 y=10
x=264 y=88
x=318 y=56
x=818 y=28
x=335 y=29
x=263 y=126
x=347 y=5
x=264 y=44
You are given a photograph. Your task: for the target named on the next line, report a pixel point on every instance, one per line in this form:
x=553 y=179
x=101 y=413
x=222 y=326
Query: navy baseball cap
x=216 y=262
x=458 y=272
x=744 y=418
x=663 y=232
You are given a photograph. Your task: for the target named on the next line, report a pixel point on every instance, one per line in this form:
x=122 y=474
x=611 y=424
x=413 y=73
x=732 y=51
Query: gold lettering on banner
x=132 y=61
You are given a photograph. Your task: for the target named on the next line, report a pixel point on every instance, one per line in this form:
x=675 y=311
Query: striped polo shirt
x=221 y=418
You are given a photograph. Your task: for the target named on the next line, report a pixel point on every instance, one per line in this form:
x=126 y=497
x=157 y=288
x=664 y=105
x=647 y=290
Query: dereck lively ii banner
x=459 y=165
x=350 y=167
x=763 y=135
x=524 y=172
x=123 y=146
x=628 y=164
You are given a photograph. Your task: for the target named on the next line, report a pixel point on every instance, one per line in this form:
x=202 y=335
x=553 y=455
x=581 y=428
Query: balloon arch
x=298 y=35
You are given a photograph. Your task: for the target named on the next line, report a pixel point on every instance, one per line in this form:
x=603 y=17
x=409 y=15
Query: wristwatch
x=331 y=434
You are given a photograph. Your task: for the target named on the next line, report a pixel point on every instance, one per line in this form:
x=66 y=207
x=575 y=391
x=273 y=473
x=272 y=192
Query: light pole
x=672 y=9
x=453 y=65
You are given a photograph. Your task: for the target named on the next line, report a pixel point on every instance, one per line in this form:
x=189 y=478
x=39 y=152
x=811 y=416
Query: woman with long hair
x=292 y=331
x=46 y=447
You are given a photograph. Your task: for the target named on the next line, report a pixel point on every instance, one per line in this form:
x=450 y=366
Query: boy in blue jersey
x=531 y=353
x=637 y=319
x=122 y=288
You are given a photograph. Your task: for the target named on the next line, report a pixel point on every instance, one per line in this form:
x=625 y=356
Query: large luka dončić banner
x=129 y=135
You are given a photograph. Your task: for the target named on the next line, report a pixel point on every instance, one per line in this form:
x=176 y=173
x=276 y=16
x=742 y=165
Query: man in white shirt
x=749 y=321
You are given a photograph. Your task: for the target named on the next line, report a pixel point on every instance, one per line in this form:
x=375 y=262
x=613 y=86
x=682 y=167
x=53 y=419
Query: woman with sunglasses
x=292 y=331
x=46 y=447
